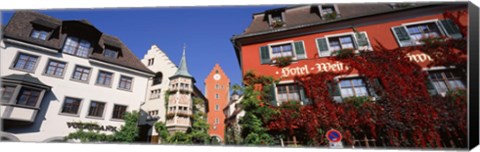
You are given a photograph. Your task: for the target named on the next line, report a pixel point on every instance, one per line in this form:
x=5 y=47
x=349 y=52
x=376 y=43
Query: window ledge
x=69 y=114
x=54 y=76
x=101 y=85
x=128 y=90
x=95 y=117
x=117 y=120
x=20 y=106
x=81 y=81
x=23 y=70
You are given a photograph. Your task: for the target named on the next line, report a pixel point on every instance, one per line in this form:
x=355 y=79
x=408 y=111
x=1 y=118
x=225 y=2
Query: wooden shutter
x=300 y=50
x=264 y=55
x=401 y=34
x=322 y=46
x=362 y=40
x=303 y=97
x=334 y=89
x=450 y=28
x=273 y=94
x=375 y=83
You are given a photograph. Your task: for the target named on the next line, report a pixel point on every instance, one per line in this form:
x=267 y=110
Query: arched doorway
x=215 y=140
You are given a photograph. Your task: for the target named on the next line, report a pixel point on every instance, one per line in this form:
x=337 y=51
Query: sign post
x=335 y=138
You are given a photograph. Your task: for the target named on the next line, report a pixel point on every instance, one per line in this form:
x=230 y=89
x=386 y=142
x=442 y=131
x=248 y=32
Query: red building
x=309 y=34
x=217 y=86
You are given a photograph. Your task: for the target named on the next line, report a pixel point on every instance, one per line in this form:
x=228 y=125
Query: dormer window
x=76 y=46
x=329 y=9
x=39 y=34
x=328 y=12
x=110 y=53
x=276 y=19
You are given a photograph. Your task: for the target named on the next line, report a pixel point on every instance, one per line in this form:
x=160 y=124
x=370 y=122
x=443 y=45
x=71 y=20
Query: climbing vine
x=404 y=113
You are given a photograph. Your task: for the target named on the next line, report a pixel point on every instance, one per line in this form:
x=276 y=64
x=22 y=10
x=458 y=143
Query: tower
x=217 y=90
x=180 y=104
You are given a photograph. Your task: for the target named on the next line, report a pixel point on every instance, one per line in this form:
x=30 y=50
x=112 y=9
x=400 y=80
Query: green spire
x=182 y=69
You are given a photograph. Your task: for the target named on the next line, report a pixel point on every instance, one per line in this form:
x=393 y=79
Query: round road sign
x=334 y=135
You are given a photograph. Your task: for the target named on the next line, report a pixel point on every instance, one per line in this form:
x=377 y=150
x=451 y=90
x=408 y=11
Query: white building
x=154 y=110
x=56 y=74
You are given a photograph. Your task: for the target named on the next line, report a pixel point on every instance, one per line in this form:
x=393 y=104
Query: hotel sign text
x=336 y=66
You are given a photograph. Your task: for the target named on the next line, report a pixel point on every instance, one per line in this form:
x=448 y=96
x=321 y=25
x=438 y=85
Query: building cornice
x=95 y=61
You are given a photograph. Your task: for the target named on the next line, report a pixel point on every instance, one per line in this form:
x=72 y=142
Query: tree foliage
x=127 y=132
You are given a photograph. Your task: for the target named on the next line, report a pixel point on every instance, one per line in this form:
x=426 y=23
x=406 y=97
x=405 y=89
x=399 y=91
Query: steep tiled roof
x=22 y=23
x=308 y=15
x=182 y=69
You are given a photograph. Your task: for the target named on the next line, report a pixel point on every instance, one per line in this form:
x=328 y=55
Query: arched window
x=158 y=78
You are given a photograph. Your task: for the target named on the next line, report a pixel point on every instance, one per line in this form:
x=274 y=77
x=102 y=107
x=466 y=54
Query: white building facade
x=60 y=76
x=167 y=80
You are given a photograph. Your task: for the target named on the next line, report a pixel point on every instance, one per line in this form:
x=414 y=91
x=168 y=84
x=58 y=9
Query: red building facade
x=308 y=35
x=217 y=90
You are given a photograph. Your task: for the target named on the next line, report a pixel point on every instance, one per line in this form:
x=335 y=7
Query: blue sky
x=205 y=30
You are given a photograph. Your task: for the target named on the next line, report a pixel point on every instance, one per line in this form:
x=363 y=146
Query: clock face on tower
x=216 y=76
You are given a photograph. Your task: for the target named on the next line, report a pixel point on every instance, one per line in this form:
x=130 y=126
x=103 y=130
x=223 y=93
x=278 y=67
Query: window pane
x=361 y=91
x=96 y=109
x=71 y=105
x=357 y=82
x=456 y=84
x=7 y=92
x=346 y=42
x=345 y=83
x=347 y=92
x=440 y=86
x=28 y=97
x=119 y=111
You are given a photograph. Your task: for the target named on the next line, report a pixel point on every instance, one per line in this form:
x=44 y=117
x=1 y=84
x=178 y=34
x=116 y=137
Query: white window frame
x=53 y=75
x=103 y=112
x=354 y=41
x=442 y=69
x=79 y=110
x=404 y=25
x=291 y=42
x=288 y=82
x=349 y=78
x=113 y=112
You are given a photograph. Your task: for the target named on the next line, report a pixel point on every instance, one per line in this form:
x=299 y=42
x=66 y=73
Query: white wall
x=161 y=64
x=49 y=123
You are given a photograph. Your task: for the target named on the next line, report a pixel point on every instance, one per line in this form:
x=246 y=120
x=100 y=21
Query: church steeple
x=182 y=68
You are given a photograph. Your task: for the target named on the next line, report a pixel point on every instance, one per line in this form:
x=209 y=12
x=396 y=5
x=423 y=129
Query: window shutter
x=264 y=55
x=450 y=28
x=362 y=40
x=300 y=50
x=322 y=47
x=372 y=85
x=334 y=89
x=303 y=97
x=273 y=94
x=402 y=36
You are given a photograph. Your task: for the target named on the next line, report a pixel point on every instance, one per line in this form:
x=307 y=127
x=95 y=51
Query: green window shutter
x=303 y=97
x=372 y=85
x=322 y=46
x=401 y=34
x=264 y=55
x=450 y=28
x=362 y=40
x=334 y=90
x=273 y=94
x=300 y=50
